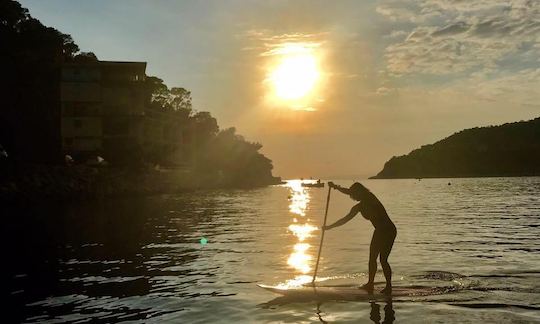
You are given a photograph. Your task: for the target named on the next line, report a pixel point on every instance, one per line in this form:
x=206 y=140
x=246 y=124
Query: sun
x=296 y=74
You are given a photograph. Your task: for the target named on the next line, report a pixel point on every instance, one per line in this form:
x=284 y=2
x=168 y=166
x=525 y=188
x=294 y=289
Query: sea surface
x=198 y=257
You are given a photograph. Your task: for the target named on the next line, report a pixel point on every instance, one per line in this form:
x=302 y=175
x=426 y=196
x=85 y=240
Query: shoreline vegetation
x=59 y=182
x=508 y=150
x=176 y=147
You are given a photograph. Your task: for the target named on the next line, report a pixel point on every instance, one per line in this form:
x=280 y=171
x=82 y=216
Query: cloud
x=452 y=29
x=267 y=43
x=457 y=36
x=397 y=34
x=521 y=88
x=385 y=91
x=395 y=12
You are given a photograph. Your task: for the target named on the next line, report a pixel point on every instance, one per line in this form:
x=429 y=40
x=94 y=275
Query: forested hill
x=511 y=149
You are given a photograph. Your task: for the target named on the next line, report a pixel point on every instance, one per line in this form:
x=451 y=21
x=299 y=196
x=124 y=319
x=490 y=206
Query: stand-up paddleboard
x=349 y=293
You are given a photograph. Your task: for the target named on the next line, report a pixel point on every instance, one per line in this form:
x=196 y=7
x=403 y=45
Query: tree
x=31 y=55
x=205 y=126
x=239 y=160
x=85 y=57
x=176 y=100
x=12 y=14
x=180 y=98
x=506 y=150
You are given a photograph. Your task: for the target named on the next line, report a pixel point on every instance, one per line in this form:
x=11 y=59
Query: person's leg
x=386 y=248
x=374 y=250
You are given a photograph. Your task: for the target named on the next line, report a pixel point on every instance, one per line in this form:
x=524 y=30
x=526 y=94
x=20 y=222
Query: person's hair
x=357 y=191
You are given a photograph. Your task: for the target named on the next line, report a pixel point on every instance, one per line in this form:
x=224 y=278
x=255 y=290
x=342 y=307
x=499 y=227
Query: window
x=186 y=137
x=116 y=126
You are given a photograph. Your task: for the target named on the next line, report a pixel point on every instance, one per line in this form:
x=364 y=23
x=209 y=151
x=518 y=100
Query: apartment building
x=102 y=108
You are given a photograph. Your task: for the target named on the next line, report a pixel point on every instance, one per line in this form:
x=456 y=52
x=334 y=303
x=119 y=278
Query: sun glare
x=296 y=73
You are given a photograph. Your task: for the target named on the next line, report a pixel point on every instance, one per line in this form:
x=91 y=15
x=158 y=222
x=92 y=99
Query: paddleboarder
x=383 y=236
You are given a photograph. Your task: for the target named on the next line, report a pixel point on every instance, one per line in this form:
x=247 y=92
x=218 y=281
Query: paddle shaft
x=322 y=235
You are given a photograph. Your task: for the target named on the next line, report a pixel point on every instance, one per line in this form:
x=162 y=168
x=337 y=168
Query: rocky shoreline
x=60 y=182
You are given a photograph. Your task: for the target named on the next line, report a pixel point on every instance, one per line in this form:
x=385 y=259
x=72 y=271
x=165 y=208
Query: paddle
x=322 y=236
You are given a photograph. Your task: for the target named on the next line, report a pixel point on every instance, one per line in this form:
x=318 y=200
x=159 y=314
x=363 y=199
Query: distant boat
x=317 y=184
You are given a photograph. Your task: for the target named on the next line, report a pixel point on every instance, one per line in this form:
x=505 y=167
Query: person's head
x=357 y=191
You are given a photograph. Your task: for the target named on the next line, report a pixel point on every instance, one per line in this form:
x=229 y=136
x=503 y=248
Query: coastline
x=35 y=182
x=521 y=175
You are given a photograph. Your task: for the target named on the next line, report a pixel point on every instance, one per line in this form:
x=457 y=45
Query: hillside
x=511 y=149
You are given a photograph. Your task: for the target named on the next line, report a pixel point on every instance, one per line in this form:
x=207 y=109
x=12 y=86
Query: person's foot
x=387 y=290
x=368 y=286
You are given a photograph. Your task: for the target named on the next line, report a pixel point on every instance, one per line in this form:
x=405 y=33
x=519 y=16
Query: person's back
x=373 y=210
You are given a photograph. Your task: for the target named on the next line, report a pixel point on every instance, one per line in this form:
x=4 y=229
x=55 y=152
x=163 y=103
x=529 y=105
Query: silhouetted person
x=383 y=237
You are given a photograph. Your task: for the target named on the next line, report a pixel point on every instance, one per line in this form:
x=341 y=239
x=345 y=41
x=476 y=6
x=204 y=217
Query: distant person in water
x=383 y=237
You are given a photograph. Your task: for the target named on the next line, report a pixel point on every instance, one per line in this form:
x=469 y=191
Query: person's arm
x=355 y=210
x=338 y=188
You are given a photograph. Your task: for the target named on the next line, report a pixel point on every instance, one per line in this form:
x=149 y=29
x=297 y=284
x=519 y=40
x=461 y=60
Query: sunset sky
x=330 y=88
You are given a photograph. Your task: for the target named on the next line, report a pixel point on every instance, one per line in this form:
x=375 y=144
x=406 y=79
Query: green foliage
x=236 y=158
x=85 y=57
x=507 y=150
x=177 y=101
x=31 y=55
x=222 y=153
x=205 y=127
x=163 y=99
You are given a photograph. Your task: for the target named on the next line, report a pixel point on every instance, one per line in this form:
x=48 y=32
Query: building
x=104 y=112
x=102 y=108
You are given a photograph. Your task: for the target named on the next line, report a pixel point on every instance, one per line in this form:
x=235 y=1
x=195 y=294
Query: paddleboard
x=348 y=293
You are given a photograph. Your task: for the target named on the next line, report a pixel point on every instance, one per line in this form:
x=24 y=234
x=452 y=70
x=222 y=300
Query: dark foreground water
x=141 y=260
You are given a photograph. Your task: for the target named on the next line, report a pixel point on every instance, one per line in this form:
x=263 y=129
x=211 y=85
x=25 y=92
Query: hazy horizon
x=383 y=77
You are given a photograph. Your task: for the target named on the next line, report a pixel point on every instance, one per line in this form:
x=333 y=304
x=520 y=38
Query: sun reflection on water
x=302 y=231
x=299 y=198
x=299 y=259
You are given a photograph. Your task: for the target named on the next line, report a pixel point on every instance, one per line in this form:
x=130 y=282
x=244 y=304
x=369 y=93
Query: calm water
x=141 y=260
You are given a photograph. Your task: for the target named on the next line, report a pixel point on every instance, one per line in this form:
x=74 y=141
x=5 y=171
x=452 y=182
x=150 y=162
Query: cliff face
x=511 y=149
